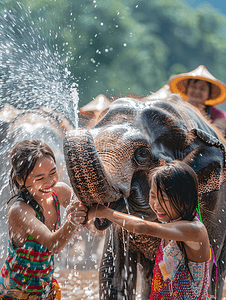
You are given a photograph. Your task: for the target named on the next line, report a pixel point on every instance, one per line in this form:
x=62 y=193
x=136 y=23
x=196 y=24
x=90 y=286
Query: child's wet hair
x=180 y=183
x=23 y=159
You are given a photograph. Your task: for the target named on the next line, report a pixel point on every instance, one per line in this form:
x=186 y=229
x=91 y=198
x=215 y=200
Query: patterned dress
x=171 y=278
x=29 y=269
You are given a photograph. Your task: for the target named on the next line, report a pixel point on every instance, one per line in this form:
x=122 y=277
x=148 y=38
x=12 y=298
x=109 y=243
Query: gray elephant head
x=111 y=163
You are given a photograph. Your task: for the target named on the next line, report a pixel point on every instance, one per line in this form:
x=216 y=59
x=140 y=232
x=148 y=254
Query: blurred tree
x=128 y=46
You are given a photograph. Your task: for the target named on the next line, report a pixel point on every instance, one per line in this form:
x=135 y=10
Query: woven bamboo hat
x=178 y=84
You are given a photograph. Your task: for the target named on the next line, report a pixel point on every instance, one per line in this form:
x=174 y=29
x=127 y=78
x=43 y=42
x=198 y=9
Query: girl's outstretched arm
x=178 y=231
x=189 y=232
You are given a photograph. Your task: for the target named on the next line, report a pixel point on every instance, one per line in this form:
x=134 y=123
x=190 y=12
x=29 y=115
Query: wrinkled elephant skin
x=110 y=164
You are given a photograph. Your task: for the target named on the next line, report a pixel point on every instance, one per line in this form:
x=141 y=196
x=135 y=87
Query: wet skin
x=42 y=179
x=163 y=210
x=41 y=183
x=192 y=233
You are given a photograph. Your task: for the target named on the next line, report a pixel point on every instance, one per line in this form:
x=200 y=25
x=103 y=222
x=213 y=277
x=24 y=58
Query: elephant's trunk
x=86 y=172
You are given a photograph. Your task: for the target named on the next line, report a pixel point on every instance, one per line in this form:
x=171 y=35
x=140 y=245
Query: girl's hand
x=77 y=212
x=96 y=211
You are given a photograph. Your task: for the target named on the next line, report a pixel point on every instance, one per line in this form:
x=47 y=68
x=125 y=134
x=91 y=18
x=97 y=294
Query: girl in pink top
x=183 y=258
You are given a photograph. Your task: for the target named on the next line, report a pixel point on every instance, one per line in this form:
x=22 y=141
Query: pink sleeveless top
x=171 y=278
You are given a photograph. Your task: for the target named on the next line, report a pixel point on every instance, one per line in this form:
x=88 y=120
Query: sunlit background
x=123 y=47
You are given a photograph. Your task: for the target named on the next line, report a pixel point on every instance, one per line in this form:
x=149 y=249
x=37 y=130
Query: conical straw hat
x=178 y=84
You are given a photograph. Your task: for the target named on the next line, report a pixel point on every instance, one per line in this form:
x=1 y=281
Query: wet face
x=198 y=92
x=164 y=211
x=42 y=179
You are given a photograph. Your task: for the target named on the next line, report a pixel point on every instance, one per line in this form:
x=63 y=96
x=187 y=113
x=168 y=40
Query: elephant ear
x=208 y=160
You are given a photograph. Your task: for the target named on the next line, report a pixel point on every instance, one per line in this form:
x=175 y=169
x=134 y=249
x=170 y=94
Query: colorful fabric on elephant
x=171 y=278
x=29 y=269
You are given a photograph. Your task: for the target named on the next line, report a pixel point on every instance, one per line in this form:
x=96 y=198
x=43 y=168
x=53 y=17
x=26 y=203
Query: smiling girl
x=34 y=223
x=183 y=258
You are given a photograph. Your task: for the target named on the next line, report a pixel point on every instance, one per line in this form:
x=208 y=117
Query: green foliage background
x=128 y=46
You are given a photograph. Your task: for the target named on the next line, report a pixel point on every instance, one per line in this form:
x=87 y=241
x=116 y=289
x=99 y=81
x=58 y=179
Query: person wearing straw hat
x=201 y=89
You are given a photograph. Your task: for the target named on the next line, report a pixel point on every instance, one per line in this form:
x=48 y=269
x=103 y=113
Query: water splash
x=126 y=251
x=37 y=95
x=32 y=74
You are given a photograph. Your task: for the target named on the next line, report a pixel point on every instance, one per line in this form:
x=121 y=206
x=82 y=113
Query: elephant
x=110 y=164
